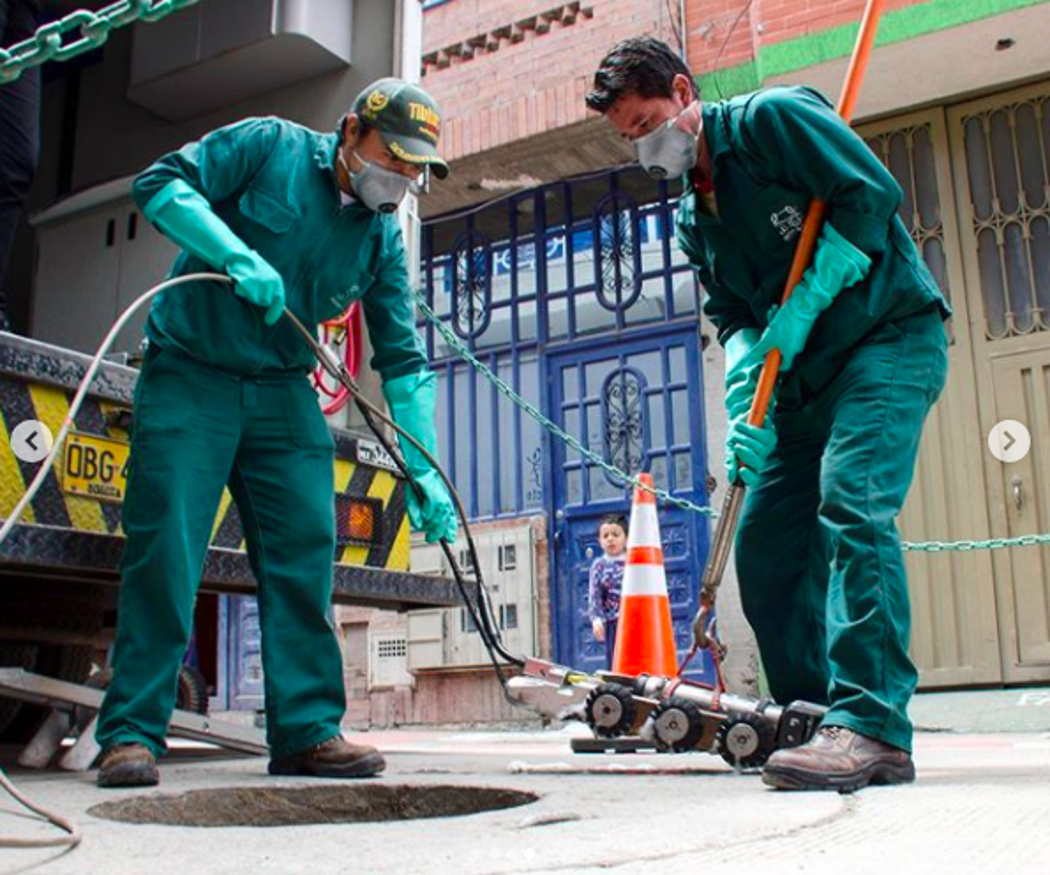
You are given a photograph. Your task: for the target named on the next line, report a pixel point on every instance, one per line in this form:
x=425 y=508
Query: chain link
x=93 y=29
x=461 y=350
x=550 y=426
x=964 y=546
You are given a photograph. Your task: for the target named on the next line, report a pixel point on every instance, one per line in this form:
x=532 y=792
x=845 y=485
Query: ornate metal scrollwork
x=616 y=251
x=623 y=420
x=471 y=285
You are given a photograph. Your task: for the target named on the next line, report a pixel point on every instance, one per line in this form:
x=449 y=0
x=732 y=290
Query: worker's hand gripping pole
x=703 y=631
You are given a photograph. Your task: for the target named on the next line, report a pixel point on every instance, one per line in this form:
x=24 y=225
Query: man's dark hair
x=640 y=65
x=613 y=519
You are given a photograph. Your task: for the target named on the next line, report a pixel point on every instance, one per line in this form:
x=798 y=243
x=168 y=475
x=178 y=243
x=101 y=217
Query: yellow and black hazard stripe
x=22 y=399
x=388 y=548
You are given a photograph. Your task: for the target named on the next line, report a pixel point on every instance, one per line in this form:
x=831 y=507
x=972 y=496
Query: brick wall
x=528 y=80
x=509 y=70
x=709 y=22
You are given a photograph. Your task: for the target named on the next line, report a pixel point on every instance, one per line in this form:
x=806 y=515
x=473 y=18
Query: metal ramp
x=74 y=707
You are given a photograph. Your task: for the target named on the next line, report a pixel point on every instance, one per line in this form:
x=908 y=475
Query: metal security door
x=1001 y=157
x=952 y=594
x=639 y=405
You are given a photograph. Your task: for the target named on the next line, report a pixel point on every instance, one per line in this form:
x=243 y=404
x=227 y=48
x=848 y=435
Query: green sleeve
x=728 y=312
x=795 y=135
x=217 y=166
x=390 y=313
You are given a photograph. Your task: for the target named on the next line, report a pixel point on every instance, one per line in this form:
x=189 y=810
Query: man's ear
x=684 y=88
x=350 y=127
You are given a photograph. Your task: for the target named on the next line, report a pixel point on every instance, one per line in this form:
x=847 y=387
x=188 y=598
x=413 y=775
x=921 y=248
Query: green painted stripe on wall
x=837 y=42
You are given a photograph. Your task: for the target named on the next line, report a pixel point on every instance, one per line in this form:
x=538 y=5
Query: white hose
x=74 y=836
x=74 y=408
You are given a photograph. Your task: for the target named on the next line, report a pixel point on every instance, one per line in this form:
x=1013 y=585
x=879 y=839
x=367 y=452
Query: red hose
x=345 y=329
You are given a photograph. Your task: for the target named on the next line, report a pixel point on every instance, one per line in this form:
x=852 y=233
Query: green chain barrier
x=94 y=27
x=964 y=546
x=461 y=350
x=553 y=428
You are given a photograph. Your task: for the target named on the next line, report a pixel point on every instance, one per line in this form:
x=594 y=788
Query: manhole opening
x=297 y=806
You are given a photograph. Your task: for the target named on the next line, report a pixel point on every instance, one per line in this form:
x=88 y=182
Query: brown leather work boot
x=335 y=758
x=840 y=759
x=128 y=765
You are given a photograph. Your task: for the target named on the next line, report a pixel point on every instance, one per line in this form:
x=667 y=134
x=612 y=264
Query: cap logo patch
x=376 y=102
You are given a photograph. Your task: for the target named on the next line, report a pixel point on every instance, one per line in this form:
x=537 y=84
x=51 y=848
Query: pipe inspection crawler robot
x=674 y=715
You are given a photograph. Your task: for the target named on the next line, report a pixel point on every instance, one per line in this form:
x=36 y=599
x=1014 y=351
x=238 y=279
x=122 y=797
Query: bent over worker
x=297 y=219
x=864 y=351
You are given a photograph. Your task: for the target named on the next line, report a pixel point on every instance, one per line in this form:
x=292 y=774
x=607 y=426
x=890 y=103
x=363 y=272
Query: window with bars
x=542 y=269
x=908 y=154
x=1007 y=158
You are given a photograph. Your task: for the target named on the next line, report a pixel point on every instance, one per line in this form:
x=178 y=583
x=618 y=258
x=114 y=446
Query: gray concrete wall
x=742 y=663
x=89 y=124
x=116 y=137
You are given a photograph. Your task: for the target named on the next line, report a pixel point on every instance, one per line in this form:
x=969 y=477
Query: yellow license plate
x=95 y=467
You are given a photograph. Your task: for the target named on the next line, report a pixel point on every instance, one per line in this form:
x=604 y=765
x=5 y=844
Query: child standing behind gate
x=603 y=597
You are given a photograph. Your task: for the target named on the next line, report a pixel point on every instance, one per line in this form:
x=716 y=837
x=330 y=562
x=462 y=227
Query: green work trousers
x=197 y=429
x=818 y=554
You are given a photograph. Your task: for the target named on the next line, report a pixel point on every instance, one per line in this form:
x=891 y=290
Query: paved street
x=982 y=804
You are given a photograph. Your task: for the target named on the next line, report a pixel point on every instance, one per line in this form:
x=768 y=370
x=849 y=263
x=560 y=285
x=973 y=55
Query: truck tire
x=65 y=662
x=192 y=694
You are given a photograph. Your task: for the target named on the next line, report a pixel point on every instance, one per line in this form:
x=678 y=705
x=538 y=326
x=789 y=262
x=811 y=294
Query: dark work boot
x=128 y=765
x=335 y=758
x=837 y=758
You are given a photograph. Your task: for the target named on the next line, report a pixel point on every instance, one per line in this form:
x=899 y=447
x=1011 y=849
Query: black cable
x=722 y=48
x=676 y=28
x=481 y=612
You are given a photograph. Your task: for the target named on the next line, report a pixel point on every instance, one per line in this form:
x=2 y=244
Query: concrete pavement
x=982 y=804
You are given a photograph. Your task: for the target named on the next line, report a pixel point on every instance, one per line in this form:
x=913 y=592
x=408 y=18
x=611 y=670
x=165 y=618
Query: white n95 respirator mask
x=668 y=149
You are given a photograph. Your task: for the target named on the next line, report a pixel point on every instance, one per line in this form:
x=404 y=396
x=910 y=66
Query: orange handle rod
x=807 y=239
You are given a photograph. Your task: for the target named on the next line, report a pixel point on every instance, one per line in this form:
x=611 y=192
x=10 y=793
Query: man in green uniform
x=297 y=219
x=864 y=358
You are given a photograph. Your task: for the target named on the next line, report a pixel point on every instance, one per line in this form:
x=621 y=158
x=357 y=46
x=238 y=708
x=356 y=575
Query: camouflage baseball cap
x=408 y=119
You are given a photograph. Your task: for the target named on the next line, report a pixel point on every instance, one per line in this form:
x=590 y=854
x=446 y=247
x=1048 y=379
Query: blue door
x=638 y=403
x=240 y=654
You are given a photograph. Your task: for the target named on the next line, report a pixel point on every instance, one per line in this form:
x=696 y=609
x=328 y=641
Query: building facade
x=955 y=102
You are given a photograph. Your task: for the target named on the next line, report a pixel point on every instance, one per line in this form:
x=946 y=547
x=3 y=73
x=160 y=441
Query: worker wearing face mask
x=297 y=219
x=864 y=353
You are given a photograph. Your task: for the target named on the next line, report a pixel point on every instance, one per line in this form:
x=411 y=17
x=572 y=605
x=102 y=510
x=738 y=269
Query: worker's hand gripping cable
x=419 y=461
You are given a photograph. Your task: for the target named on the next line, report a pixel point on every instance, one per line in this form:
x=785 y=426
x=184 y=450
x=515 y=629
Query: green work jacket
x=273 y=182
x=772 y=152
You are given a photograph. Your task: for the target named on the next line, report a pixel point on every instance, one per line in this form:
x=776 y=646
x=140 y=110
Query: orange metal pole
x=807 y=240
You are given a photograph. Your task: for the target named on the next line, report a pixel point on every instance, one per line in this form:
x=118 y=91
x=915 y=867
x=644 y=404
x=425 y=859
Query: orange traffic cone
x=644 y=640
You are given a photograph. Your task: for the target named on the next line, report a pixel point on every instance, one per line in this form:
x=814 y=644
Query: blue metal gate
x=639 y=405
x=575 y=295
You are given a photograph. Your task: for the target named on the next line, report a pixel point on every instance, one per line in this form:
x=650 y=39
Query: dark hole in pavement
x=295 y=806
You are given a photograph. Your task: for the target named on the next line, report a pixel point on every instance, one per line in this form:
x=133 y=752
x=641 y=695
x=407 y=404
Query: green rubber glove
x=741 y=372
x=412 y=399
x=837 y=265
x=186 y=217
x=747 y=448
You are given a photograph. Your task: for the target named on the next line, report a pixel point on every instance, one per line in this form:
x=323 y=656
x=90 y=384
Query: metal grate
x=388 y=661
x=909 y=155
x=358 y=521
x=1007 y=155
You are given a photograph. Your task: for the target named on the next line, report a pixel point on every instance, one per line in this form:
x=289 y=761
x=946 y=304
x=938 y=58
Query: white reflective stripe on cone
x=644 y=580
